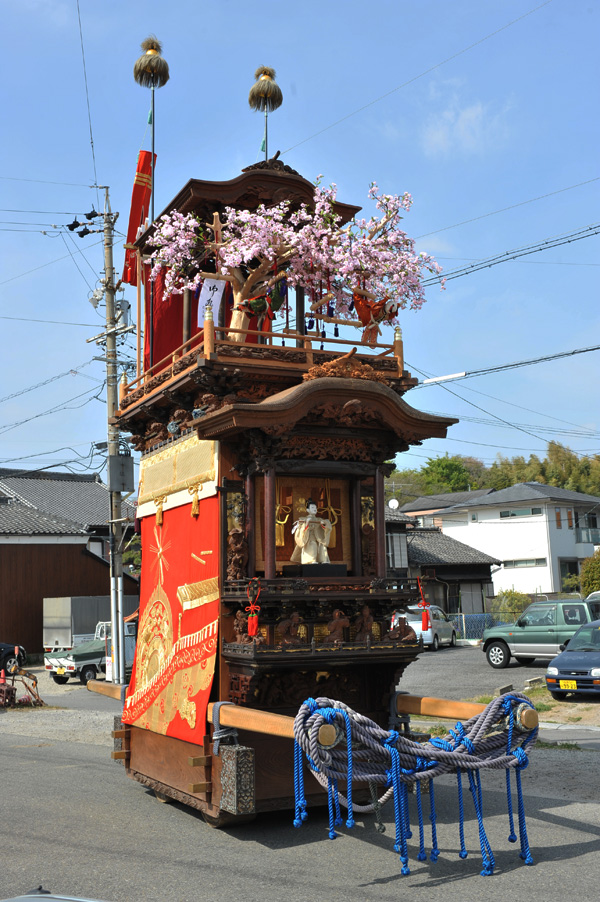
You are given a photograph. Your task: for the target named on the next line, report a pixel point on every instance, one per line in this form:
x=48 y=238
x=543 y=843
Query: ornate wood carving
x=237 y=555
x=314 y=447
x=346 y=367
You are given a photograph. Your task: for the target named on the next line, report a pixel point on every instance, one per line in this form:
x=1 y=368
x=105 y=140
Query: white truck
x=69 y=621
x=92 y=658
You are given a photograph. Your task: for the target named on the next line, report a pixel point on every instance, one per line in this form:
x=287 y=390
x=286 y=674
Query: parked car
x=539 y=632
x=441 y=632
x=577 y=668
x=8 y=658
x=89 y=659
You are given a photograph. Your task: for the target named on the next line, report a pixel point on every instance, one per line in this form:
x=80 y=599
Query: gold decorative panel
x=187 y=463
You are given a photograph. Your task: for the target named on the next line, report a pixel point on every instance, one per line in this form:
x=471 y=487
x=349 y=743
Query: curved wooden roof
x=351 y=403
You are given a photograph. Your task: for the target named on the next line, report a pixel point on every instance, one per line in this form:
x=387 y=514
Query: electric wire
x=511 y=366
x=577 y=235
x=55 y=378
x=43 y=265
x=12 y=178
x=417 y=77
x=52 y=322
x=65 y=405
x=504 y=209
x=79 y=270
x=87 y=97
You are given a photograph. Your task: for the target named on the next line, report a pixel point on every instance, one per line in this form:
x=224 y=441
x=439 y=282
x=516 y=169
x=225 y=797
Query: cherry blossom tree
x=362 y=273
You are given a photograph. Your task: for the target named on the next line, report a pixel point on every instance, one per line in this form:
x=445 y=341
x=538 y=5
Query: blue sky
x=484 y=106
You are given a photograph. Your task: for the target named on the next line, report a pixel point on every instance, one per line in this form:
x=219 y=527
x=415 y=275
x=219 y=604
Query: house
x=53 y=542
x=453 y=575
x=424 y=507
x=540 y=533
x=78 y=498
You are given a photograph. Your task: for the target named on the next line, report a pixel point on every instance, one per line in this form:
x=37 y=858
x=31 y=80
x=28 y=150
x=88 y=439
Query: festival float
x=268 y=408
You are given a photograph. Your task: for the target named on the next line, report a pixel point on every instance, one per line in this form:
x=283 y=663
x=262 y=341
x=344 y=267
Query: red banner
x=178 y=627
x=140 y=204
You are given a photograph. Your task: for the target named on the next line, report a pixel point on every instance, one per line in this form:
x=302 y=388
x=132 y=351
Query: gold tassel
x=193 y=490
x=159 y=509
x=280 y=519
x=333 y=515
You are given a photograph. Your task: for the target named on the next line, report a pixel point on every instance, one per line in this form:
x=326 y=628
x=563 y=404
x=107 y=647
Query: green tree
x=590 y=574
x=509 y=601
x=132 y=555
x=445 y=474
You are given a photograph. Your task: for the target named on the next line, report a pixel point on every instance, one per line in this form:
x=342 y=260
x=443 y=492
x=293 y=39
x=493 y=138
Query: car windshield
x=587 y=639
x=414 y=615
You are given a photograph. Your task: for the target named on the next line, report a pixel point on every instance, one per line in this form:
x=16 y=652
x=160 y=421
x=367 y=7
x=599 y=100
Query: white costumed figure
x=311 y=534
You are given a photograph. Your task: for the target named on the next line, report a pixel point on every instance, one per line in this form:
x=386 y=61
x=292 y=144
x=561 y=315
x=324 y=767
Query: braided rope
x=370 y=754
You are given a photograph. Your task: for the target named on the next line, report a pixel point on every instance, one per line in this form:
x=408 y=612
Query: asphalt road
x=70 y=819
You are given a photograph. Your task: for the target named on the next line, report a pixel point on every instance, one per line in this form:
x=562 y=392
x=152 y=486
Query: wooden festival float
x=261 y=504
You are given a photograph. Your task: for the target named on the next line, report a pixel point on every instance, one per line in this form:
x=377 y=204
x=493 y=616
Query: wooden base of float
x=257 y=774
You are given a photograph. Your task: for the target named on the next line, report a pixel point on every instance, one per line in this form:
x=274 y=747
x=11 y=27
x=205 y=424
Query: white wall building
x=540 y=533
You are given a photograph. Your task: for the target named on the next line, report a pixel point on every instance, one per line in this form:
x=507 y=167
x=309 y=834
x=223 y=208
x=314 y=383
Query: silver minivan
x=441 y=632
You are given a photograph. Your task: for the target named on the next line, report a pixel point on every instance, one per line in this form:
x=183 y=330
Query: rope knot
x=521 y=757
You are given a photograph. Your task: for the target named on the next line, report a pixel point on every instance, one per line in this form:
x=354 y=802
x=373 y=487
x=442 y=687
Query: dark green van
x=539 y=632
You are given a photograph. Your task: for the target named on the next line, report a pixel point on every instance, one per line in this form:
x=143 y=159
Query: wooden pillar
x=250 y=525
x=270 y=505
x=399 y=349
x=299 y=316
x=209 y=333
x=380 y=546
x=138 y=264
x=355 y=527
x=187 y=317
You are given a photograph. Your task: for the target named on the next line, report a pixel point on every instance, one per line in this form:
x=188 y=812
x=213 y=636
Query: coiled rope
x=386 y=758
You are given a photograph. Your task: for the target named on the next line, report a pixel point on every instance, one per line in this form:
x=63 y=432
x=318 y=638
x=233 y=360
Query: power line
x=41 y=212
x=58 y=376
x=11 y=178
x=511 y=366
x=87 y=97
x=43 y=265
x=58 y=407
x=417 y=77
x=584 y=232
x=53 y=322
x=520 y=407
x=511 y=207
x=75 y=262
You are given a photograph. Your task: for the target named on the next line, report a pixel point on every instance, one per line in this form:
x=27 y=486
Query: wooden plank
x=199 y=787
x=443 y=707
x=111 y=690
x=117 y=756
x=120 y=734
x=166 y=759
x=199 y=761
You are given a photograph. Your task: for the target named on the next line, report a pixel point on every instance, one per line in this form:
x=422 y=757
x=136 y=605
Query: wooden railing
x=208 y=344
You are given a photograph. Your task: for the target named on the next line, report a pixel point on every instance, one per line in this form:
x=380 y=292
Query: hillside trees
x=561 y=467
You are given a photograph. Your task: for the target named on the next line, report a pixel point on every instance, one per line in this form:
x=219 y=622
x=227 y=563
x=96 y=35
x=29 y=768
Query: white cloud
x=465 y=128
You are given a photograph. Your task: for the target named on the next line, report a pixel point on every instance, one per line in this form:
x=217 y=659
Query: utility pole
x=120 y=464
x=112 y=403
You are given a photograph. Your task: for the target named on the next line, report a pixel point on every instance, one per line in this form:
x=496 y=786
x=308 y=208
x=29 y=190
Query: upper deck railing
x=214 y=343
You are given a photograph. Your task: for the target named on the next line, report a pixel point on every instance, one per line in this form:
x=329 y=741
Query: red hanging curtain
x=140 y=204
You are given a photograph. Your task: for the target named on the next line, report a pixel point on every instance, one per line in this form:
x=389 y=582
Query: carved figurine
x=240 y=628
x=237 y=554
x=288 y=630
x=364 y=624
x=336 y=627
x=311 y=534
x=399 y=630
